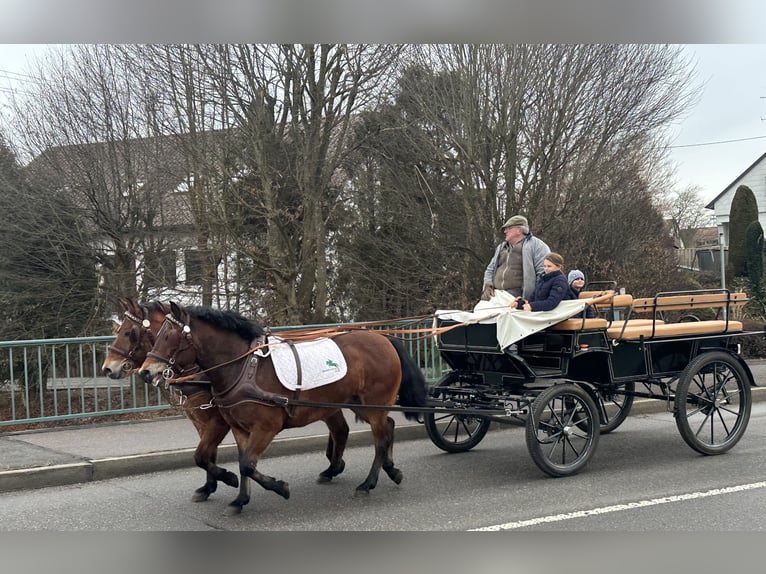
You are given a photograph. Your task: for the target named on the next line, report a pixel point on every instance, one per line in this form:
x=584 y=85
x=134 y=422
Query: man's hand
x=488 y=292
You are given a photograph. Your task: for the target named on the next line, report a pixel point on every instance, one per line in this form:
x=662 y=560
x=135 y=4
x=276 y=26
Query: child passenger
x=576 y=280
x=551 y=288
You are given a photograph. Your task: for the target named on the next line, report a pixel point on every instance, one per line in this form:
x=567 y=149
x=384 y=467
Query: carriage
x=567 y=379
x=578 y=378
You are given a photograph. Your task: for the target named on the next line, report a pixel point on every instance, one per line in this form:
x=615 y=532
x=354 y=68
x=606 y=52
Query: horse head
x=174 y=351
x=133 y=339
x=197 y=337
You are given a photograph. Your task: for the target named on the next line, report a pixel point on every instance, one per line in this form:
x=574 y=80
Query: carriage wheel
x=614 y=406
x=562 y=429
x=451 y=432
x=713 y=401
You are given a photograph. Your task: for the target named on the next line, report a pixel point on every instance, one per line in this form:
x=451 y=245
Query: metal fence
x=59 y=379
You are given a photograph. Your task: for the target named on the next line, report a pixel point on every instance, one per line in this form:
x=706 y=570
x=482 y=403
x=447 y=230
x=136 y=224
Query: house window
x=194 y=261
x=185 y=185
x=160 y=268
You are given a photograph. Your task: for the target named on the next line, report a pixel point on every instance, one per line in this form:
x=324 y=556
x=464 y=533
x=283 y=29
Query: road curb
x=116 y=467
x=120 y=466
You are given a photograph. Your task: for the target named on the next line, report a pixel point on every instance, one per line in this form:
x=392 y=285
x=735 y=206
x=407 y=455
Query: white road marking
x=620 y=507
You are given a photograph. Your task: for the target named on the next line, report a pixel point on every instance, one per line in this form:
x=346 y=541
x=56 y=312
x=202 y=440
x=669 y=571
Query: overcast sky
x=719 y=138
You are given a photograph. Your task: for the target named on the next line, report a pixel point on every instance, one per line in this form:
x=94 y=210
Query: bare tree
x=293 y=106
x=548 y=131
x=84 y=123
x=687 y=213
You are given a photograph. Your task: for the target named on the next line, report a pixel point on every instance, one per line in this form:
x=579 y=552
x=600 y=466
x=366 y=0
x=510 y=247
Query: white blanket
x=322 y=362
x=513 y=324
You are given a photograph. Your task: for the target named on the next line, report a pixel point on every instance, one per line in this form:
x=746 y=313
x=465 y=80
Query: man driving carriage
x=517 y=261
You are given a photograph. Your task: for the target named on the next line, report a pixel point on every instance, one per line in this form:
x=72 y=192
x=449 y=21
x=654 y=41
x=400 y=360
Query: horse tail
x=412 y=391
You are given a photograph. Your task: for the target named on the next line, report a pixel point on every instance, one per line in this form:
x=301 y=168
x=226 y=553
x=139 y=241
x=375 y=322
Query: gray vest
x=509 y=274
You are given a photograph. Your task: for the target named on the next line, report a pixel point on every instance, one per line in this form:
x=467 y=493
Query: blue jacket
x=550 y=290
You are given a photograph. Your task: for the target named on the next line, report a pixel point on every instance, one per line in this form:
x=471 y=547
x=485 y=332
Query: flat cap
x=516 y=221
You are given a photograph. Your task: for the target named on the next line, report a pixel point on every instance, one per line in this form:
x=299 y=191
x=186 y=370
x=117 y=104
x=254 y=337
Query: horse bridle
x=169 y=373
x=128 y=356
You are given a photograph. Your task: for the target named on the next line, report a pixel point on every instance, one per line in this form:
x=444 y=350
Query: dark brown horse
x=246 y=389
x=134 y=338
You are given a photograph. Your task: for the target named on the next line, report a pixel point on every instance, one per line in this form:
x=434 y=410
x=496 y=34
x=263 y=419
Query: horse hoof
x=361 y=492
x=397 y=477
x=233 y=510
x=283 y=489
x=200 y=496
x=322 y=479
x=231 y=480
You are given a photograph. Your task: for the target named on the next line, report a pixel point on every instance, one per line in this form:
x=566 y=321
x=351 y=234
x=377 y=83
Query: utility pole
x=723 y=264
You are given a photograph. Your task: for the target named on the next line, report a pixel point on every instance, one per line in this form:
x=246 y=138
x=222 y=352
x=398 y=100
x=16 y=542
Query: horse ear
x=137 y=310
x=126 y=303
x=176 y=310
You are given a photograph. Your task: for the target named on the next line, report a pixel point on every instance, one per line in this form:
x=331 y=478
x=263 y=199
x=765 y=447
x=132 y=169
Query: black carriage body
x=584 y=355
x=568 y=385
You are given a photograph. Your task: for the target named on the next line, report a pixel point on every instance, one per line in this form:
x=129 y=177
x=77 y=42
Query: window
x=160 y=269
x=194 y=261
x=185 y=185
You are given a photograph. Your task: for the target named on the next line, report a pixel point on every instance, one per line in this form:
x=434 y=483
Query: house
x=140 y=199
x=753 y=177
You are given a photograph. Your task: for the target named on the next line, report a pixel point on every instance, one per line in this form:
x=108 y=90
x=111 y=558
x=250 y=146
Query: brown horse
x=135 y=337
x=253 y=401
x=133 y=340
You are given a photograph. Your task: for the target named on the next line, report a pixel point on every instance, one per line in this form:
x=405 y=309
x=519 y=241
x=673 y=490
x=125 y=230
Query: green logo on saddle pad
x=332 y=364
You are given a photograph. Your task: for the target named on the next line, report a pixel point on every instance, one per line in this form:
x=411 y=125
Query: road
x=643 y=478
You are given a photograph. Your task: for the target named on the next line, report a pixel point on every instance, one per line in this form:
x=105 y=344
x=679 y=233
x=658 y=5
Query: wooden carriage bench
x=608 y=305
x=633 y=328
x=683 y=301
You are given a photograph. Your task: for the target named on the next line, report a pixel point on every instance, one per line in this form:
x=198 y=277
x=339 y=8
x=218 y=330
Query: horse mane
x=228 y=321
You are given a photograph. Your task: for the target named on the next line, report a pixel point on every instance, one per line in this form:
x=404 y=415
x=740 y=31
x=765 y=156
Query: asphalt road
x=643 y=478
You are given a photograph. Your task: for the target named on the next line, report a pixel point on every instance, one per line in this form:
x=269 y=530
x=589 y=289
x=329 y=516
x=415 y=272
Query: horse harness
x=245 y=387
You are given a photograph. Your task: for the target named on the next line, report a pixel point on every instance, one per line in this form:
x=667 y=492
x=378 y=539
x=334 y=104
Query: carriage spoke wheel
x=614 y=406
x=562 y=429
x=454 y=432
x=713 y=402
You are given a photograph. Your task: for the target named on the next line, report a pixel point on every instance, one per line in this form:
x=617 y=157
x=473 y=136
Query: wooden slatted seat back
x=690 y=301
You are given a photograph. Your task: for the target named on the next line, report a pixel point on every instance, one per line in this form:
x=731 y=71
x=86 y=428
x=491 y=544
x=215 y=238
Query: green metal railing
x=59 y=379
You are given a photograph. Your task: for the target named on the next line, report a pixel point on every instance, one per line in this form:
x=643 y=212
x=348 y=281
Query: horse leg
x=235 y=506
x=381 y=433
x=336 y=444
x=388 y=465
x=212 y=429
x=249 y=457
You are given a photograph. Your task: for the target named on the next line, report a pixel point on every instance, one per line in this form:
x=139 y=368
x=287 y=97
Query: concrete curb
x=115 y=467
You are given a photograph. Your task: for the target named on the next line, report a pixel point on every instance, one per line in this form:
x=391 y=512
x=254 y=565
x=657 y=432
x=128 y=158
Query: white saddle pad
x=321 y=361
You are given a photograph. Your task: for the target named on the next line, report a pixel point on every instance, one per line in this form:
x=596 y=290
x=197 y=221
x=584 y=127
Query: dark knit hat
x=575 y=274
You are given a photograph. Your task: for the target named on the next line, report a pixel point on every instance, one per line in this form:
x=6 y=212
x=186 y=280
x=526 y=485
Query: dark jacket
x=590 y=312
x=550 y=290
